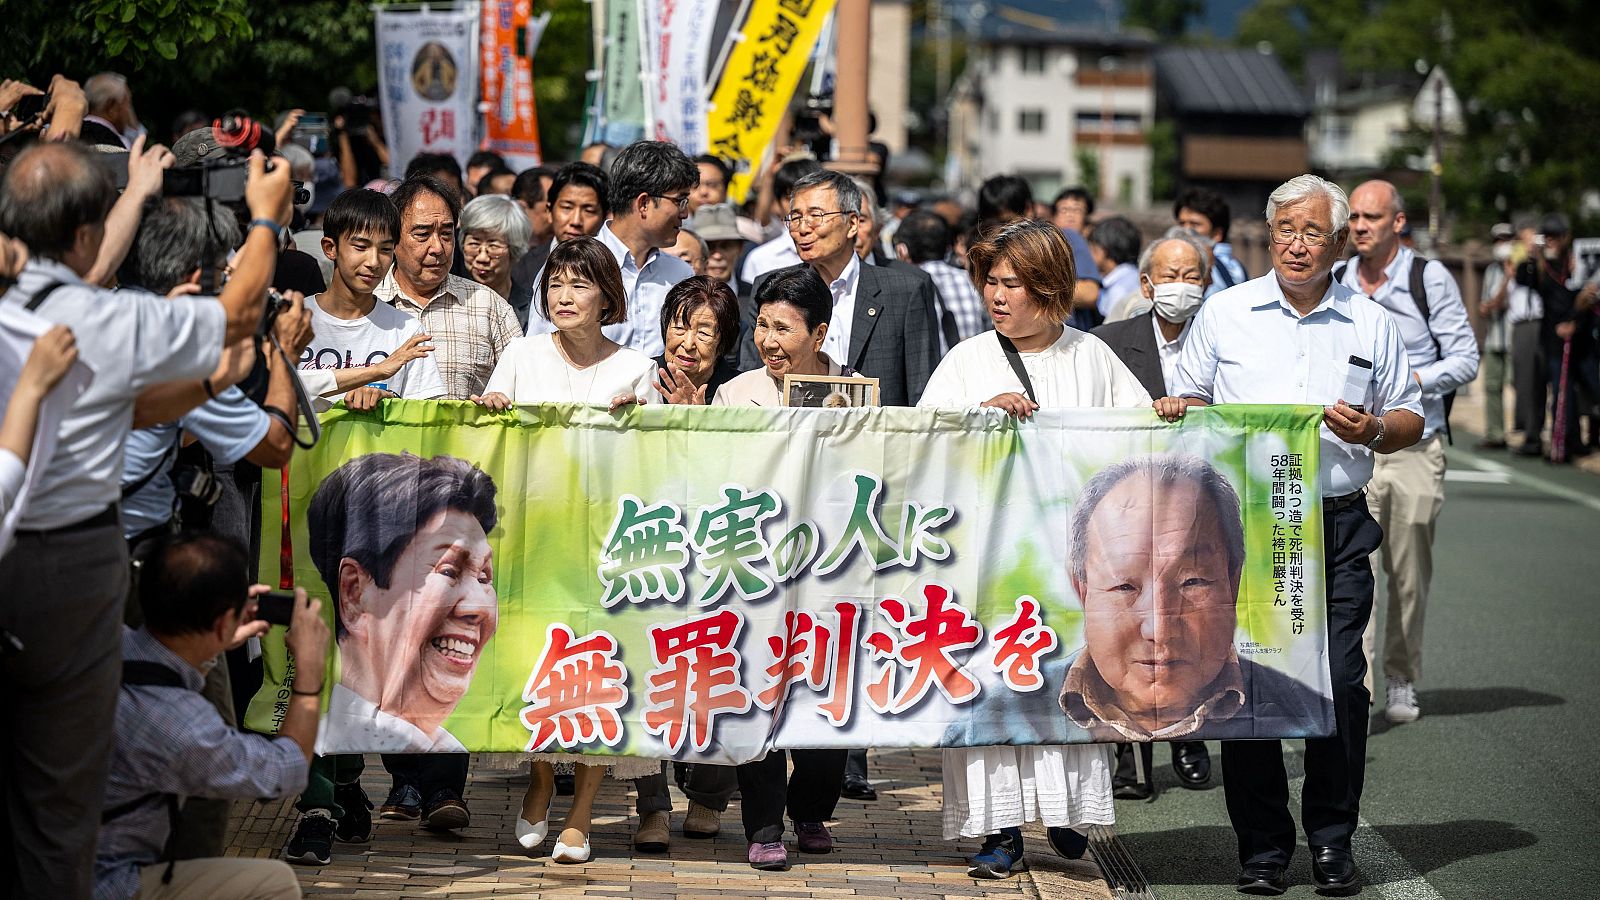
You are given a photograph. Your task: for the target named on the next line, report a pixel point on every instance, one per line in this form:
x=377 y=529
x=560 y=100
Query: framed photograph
x=829 y=391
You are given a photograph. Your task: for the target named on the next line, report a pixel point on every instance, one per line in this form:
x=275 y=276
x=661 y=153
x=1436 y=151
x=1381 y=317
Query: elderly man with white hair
x=1296 y=335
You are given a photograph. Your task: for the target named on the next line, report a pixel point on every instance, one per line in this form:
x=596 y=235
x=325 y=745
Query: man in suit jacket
x=884 y=325
x=1173 y=274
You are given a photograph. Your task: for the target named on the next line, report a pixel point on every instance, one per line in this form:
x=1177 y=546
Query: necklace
x=573 y=396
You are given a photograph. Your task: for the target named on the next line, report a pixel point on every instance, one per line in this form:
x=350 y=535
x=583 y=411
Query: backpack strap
x=149 y=672
x=1419 y=296
x=43 y=294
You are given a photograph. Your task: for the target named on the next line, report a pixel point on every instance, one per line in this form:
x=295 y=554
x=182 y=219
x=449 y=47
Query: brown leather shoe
x=702 y=822
x=446 y=815
x=654 y=834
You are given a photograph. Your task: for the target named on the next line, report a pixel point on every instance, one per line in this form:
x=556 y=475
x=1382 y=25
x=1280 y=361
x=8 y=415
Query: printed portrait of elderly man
x=1157 y=551
x=402 y=543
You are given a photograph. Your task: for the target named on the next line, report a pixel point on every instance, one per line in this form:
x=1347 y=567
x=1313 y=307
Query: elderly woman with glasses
x=494 y=234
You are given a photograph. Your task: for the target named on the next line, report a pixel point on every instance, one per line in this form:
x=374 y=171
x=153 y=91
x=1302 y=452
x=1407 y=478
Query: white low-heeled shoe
x=532 y=835
x=565 y=853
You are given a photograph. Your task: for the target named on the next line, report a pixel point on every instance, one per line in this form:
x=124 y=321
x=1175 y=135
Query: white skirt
x=990 y=788
x=622 y=768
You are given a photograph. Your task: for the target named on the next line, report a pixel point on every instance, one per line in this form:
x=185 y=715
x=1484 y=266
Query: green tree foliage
x=1169 y=19
x=1527 y=71
x=264 y=57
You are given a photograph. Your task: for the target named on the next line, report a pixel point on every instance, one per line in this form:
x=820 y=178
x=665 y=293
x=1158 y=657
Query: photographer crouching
x=66 y=575
x=171 y=744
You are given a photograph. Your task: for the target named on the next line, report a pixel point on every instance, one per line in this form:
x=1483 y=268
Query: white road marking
x=1534 y=482
x=1476 y=476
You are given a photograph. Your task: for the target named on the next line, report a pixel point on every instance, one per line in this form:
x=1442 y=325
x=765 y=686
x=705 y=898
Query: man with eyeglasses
x=648 y=199
x=885 y=323
x=1296 y=335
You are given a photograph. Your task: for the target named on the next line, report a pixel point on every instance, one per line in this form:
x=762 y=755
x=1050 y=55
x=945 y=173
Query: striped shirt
x=958 y=295
x=470 y=324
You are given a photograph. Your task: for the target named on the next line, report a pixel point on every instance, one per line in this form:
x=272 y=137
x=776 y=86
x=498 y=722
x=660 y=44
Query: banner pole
x=735 y=34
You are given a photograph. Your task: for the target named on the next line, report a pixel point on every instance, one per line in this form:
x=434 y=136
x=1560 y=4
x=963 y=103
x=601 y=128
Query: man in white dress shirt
x=63 y=667
x=1407 y=489
x=1296 y=335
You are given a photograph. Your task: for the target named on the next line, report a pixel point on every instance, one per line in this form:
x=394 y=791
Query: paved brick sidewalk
x=888 y=849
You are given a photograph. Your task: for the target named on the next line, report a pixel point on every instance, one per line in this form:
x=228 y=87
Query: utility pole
x=1436 y=191
x=854 y=27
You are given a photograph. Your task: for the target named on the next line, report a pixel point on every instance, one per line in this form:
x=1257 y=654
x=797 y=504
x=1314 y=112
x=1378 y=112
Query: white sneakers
x=1402 y=706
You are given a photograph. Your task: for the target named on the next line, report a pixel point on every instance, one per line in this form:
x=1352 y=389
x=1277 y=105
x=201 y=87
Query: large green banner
x=711 y=582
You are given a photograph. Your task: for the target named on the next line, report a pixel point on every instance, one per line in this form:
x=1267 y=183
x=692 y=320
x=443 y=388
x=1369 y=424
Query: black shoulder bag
x=1015 y=359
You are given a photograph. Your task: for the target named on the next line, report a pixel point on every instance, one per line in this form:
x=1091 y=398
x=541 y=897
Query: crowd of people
x=630 y=278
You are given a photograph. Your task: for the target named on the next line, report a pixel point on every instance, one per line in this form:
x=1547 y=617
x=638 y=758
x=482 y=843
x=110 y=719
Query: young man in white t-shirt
x=364 y=350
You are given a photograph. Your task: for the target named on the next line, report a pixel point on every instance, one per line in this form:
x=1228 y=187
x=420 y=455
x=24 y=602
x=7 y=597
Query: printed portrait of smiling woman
x=402 y=544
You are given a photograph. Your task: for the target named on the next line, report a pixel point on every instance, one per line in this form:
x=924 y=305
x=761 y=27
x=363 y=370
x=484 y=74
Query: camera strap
x=162 y=465
x=308 y=412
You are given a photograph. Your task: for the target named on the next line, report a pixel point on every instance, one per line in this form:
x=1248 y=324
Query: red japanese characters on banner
x=696 y=678
x=575 y=692
x=511 y=125
x=923 y=644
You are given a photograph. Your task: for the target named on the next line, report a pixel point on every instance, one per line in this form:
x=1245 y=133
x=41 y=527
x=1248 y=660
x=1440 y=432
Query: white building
x=1040 y=97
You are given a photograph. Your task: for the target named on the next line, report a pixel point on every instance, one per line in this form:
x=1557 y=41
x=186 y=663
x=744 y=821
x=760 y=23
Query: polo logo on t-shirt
x=332 y=358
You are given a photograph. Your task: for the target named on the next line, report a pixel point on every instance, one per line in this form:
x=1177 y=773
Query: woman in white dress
x=582 y=291
x=1026 y=276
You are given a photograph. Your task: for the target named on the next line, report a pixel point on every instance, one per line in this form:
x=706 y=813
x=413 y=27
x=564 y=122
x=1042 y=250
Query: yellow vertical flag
x=758 y=82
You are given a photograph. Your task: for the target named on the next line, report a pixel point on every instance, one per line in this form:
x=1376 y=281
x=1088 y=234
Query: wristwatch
x=1377 y=438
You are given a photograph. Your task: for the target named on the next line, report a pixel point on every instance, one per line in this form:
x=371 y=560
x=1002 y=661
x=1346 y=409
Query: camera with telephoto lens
x=276 y=303
x=197 y=484
x=221 y=179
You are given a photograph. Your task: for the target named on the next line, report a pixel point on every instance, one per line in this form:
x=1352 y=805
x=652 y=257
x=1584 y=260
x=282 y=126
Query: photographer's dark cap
x=1554 y=223
x=202 y=144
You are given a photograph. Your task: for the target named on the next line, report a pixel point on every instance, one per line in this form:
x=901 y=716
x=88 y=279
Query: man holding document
x=1298 y=336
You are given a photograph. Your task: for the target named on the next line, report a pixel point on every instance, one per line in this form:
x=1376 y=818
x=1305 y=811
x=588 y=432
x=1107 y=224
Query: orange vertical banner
x=511 y=125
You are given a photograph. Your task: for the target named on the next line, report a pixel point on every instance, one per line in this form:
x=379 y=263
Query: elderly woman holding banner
x=1031 y=360
x=582 y=290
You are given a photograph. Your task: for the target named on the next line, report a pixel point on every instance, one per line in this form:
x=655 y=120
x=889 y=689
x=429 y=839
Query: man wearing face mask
x=1174 y=273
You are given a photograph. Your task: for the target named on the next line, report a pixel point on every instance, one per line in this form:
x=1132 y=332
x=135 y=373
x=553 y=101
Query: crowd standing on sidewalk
x=493 y=286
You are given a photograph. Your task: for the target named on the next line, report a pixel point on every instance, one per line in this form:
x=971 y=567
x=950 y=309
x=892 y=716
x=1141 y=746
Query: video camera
x=220 y=178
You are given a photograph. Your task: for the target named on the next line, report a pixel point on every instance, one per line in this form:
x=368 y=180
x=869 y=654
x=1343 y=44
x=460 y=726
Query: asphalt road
x=1493 y=792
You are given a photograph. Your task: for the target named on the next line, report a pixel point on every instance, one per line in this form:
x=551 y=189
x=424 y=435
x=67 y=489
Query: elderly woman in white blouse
x=1026 y=276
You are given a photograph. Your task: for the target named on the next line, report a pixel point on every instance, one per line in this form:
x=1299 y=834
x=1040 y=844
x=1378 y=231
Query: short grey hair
x=1301 y=188
x=179 y=235
x=1164 y=469
x=705 y=248
x=499 y=216
x=845 y=190
x=302 y=165
x=869 y=199
x=1200 y=244
x=104 y=90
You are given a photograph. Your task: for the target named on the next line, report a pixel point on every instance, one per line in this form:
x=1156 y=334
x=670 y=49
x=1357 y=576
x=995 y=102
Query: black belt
x=1334 y=504
x=107 y=516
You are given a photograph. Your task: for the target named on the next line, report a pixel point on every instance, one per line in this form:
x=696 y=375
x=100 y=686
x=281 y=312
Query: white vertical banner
x=678 y=56
x=428 y=77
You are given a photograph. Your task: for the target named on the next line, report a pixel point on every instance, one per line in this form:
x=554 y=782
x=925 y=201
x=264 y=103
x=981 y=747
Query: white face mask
x=1502 y=251
x=1177 y=301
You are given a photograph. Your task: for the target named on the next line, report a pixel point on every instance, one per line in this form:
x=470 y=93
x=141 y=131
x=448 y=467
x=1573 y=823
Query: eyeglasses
x=812 y=218
x=1286 y=236
x=495 y=248
x=682 y=202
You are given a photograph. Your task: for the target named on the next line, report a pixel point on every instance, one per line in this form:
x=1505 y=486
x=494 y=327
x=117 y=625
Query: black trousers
x=436 y=776
x=810 y=794
x=63 y=599
x=1254 y=780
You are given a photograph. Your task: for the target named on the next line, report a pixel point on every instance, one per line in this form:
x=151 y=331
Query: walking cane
x=1558 y=430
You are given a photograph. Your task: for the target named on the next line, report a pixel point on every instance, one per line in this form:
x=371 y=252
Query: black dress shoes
x=1192 y=763
x=1264 y=879
x=1334 y=869
x=858 y=789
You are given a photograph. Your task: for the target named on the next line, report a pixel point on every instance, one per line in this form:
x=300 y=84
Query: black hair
x=529 y=186
x=1075 y=193
x=361 y=211
x=371 y=508
x=487 y=181
x=926 y=234
x=415 y=186
x=486 y=158
x=802 y=288
x=1207 y=203
x=434 y=165
x=704 y=292
x=656 y=168
x=717 y=161
x=187 y=582
x=581 y=174
x=787 y=174
x=1119 y=238
x=1003 y=195
x=51 y=190
x=176 y=236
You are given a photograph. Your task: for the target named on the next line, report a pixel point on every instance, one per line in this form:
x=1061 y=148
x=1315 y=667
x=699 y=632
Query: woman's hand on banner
x=493 y=400
x=366 y=399
x=621 y=400
x=1016 y=405
x=1171 y=409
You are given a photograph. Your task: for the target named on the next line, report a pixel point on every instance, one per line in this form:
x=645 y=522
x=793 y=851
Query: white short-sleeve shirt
x=365 y=341
x=1248 y=345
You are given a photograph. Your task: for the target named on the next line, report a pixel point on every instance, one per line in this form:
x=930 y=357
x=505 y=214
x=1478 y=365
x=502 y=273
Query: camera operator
x=170 y=744
x=66 y=575
x=59 y=116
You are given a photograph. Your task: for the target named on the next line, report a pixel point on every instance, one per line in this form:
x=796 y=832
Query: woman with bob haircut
x=1025 y=273
x=699 y=328
x=582 y=291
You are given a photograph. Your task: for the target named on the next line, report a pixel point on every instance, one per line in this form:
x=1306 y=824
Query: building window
x=1031 y=60
x=1121 y=122
x=1030 y=121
